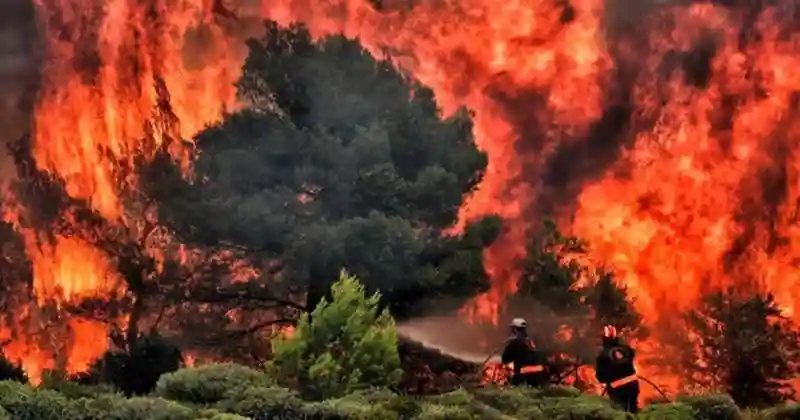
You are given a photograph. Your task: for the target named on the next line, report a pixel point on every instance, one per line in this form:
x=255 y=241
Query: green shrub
x=403 y=406
x=211 y=414
x=342 y=409
x=140 y=408
x=713 y=407
x=221 y=416
x=24 y=403
x=210 y=383
x=72 y=389
x=443 y=412
x=4 y=414
x=783 y=412
x=581 y=408
x=458 y=397
x=98 y=408
x=673 y=411
x=261 y=403
x=511 y=401
x=344 y=346
x=117 y=407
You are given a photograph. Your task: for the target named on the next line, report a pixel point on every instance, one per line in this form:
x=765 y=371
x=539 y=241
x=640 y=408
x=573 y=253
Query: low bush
x=783 y=412
x=232 y=392
x=713 y=407
x=22 y=402
x=261 y=403
x=580 y=408
x=210 y=383
x=672 y=411
x=342 y=409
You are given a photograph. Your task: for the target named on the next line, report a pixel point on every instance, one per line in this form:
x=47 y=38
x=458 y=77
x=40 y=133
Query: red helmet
x=609 y=331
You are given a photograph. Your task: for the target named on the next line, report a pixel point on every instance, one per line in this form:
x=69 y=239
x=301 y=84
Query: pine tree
x=344 y=345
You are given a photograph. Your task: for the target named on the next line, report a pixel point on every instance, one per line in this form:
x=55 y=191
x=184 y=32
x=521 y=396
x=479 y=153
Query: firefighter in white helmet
x=529 y=363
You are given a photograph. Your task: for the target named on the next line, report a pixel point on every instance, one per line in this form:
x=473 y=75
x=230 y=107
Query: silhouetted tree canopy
x=743 y=345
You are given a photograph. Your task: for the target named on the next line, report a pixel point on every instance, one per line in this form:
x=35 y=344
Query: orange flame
x=704 y=197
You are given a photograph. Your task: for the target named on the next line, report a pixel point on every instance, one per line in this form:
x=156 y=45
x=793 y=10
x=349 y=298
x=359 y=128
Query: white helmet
x=518 y=323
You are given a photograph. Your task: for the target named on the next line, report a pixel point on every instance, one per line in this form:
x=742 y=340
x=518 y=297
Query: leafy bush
x=443 y=412
x=137 y=371
x=342 y=409
x=210 y=383
x=261 y=403
x=673 y=411
x=713 y=407
x=71 y=388
x=216 y=415
x=511 y=401
x=344 y=346
x=22 y=402
x=117 y=407
x=581 y=408
x=404 y=407
x=140 y=408
x=783 y=412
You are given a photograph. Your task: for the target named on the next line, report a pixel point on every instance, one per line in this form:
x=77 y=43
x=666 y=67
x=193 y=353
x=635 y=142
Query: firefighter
x=615 y=370
x=529 y=363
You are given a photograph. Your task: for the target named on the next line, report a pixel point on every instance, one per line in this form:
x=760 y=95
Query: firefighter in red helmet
x=615 y=370
x=529 y=363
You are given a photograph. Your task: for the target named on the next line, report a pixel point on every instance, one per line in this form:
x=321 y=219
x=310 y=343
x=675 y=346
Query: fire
x=121 y=80
x=698 y=191
x=71 y=270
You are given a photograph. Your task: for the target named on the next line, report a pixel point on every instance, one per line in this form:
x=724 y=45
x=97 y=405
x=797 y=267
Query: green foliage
x=345 y=409
x=25 y=403
x=713 y=407
x=343 y=346
x=209 y=384
x=443 y=412
x=783 y=412
x=581 y=408
x=261 y=403
x=257 y=401
x=340 y=156
x=72 y=388
x=671 y=411
x=746 y=347
x=136 y=372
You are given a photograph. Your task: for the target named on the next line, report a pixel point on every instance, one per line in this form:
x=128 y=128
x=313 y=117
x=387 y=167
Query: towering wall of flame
x=680 y=171
x=109 y=69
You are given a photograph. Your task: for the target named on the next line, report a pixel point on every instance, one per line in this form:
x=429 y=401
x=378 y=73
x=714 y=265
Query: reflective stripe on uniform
x=532 y=369
x=626 y=380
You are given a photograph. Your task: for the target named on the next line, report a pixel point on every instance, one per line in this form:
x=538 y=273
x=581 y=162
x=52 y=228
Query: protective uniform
x=615 y=370
x=529 y=363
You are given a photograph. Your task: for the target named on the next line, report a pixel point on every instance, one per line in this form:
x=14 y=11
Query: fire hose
x=575 y=369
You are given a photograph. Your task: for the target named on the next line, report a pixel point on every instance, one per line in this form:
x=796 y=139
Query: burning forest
x=202 y=170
